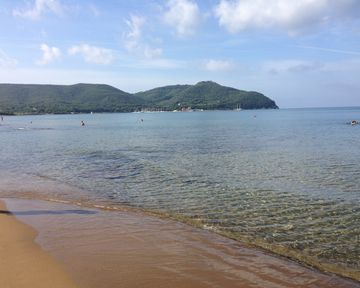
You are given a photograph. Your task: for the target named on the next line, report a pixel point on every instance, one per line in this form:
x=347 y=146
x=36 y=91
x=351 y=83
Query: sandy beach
x=23 y=263
x=125 y=249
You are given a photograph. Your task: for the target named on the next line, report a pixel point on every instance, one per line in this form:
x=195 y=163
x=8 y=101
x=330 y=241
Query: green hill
x=84 y=98
x=39 y=99
x=205 y=95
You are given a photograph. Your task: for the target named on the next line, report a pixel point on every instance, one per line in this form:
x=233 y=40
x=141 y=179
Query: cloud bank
x=293 y=16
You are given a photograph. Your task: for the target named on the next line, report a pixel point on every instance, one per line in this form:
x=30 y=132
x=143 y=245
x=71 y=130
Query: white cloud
x=218 y=65
x=294 y=16
x=184 y=15
x=7 y=62
x=134 y=42
x=49 y=54
x=93 y=54
x=133 y=37
x=39 y=7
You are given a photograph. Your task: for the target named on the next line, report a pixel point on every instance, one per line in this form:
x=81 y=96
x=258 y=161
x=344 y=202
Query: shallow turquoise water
x=290 y=178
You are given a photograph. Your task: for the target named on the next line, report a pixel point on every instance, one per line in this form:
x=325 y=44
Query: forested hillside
x=85 y=98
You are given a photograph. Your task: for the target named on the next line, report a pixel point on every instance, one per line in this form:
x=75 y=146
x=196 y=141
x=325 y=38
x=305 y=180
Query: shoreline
x=110 y=249
x=273 y=250
x=23 y=263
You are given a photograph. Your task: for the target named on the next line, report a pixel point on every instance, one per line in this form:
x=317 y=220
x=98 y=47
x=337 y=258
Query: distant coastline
x=32 y=99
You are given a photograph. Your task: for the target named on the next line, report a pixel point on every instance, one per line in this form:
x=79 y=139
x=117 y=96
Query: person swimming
x=82 y=123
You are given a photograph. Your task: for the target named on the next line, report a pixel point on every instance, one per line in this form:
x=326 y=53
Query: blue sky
x=301 y=53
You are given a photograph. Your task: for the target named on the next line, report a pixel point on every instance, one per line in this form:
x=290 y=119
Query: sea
x=285 y=180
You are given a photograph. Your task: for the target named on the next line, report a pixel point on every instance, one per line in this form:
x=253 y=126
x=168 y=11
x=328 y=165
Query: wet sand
x=22 y=262
x=127 y=249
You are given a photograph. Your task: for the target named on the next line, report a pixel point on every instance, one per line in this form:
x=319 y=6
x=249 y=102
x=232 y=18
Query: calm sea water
x=286 y=180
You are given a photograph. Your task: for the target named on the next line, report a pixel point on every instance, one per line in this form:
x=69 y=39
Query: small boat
x=238 y=108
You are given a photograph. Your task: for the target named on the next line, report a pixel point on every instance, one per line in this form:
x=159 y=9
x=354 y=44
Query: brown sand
x=125 y=249
x=22 y=262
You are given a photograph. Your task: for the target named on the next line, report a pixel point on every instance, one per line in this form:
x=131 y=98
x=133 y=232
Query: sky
x=300 y=53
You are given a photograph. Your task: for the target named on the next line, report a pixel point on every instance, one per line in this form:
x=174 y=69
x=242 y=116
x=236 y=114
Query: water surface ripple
x=286 y=180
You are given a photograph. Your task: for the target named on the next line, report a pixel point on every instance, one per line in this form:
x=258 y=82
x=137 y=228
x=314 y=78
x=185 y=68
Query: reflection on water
x=286 y=180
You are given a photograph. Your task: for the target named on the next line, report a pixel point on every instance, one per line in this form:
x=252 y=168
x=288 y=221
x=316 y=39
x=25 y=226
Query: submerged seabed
x=284 y=180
